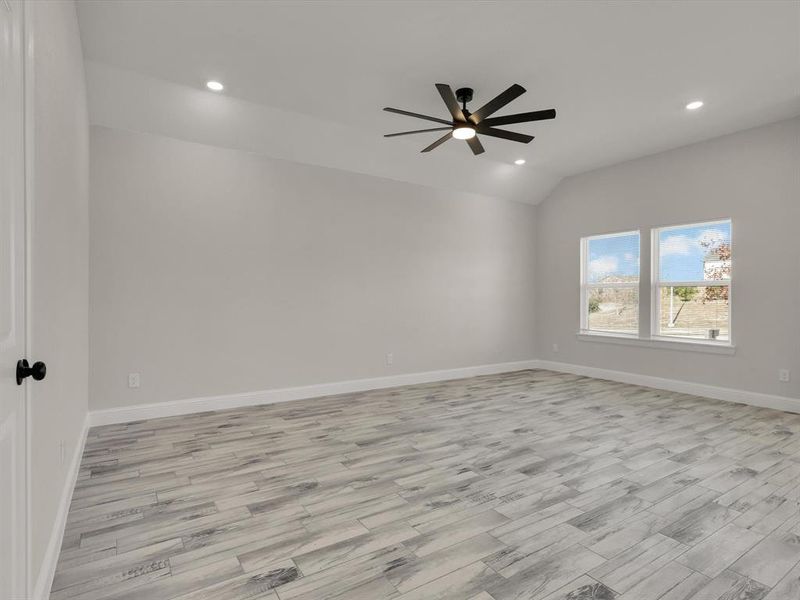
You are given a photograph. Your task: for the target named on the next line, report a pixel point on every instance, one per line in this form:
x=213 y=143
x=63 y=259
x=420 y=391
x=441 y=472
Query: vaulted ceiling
x=306 y=81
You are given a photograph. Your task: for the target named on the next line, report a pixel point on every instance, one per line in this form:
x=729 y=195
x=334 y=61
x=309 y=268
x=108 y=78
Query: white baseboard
x=173 y=408
x=139 y=412
x=44 y=580
x=675 y=385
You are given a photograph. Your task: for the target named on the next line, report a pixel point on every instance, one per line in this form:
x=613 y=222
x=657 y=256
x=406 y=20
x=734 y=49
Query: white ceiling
x=305 y=81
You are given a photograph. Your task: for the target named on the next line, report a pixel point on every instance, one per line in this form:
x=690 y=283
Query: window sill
x=659 y=342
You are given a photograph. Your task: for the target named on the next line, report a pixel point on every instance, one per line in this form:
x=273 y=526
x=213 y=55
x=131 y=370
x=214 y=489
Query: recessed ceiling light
x=215 y=86
x=519 y=161
x=694 y=105
x=463 y=133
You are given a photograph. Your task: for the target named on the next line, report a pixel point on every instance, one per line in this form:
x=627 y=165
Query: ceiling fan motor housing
x=464 y=95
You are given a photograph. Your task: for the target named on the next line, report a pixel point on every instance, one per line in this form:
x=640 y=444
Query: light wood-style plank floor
x=533 y=485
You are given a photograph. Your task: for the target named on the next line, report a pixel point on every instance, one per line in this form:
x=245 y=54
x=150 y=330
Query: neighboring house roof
x=712 y=256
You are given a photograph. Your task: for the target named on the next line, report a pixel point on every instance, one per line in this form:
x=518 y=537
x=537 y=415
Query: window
x=610 y=283
x=691 y=281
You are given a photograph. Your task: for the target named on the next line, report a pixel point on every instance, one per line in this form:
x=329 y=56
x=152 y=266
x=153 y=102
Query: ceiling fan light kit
x=463 y=132
x=465 y=125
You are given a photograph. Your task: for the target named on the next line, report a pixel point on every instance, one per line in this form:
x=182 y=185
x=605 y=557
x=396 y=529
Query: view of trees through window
x=694 y=275
x=614 y=310
x=694 y=312
x=691 y=282
x=611 y=283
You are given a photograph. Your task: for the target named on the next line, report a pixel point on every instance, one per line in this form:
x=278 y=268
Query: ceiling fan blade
x=506 y=135
x=475 y=145
x=438 y=142
x=417 y=115
x=446 y=92
x=515 y=91
x=416 y=131
x=538 y=115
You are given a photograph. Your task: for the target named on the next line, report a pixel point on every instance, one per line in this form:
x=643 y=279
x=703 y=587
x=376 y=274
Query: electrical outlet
x=783 y=375
x=389 y=359
x=134 y=380
x=555 y=348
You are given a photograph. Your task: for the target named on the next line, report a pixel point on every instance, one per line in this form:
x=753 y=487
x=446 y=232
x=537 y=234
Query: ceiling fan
x=466 y=125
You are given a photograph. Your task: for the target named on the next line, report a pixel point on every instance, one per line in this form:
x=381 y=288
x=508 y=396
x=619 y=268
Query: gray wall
x=752 y=177
x=60 y=255
x=217 y=271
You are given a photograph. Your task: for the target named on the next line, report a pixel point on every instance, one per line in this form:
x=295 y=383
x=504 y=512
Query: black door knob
x=37 y=371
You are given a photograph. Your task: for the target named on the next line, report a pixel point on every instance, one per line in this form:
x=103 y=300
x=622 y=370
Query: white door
x=13 y=493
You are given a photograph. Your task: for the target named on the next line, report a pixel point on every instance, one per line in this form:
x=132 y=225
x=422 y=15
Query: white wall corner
x=44 y=579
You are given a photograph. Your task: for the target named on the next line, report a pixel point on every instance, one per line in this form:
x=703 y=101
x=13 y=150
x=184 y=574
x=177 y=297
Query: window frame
x=585 y=286
x=656 y=284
